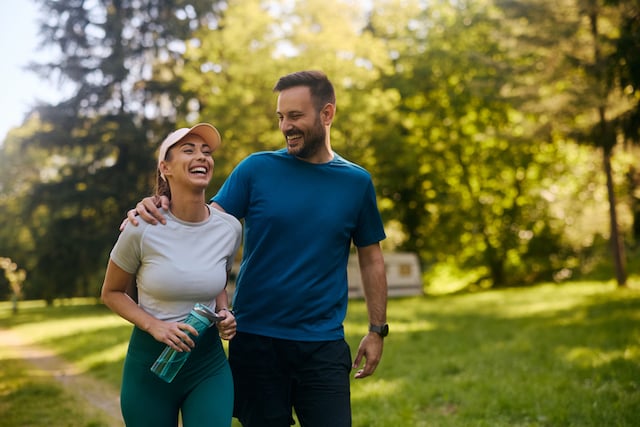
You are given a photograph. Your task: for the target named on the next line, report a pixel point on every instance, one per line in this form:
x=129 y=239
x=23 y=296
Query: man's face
x=300 y=123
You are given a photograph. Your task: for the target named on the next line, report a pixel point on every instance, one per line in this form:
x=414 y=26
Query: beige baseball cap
x=206 y=131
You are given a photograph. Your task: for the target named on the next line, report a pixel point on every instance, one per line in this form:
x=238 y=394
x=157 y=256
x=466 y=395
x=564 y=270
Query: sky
x=21 y=89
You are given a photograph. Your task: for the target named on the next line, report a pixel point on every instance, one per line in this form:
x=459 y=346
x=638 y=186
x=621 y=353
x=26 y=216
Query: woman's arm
x=226 y=327
x=114 y=295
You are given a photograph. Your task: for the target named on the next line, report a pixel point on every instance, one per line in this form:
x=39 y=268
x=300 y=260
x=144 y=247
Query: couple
x=302 y=207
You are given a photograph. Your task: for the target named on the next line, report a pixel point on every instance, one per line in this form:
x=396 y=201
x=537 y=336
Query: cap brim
x=207 y=132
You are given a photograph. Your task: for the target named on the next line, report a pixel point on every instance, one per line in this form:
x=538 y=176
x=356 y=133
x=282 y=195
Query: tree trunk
x=617 y=246
x=605 y=137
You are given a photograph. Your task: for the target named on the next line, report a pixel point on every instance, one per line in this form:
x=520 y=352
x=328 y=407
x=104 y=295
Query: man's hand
x=148 y=210
x=371 y=349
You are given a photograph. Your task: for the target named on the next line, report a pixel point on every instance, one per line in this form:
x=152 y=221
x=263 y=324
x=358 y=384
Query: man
x=302 y=207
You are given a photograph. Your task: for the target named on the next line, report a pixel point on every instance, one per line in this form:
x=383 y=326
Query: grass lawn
x=29 y=398
x=550 y=355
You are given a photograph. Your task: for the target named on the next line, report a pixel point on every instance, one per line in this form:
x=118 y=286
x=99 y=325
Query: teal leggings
x=202 y=391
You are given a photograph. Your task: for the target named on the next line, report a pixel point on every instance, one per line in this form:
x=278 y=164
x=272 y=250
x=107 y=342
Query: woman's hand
x=174 y=334
x=227 y=327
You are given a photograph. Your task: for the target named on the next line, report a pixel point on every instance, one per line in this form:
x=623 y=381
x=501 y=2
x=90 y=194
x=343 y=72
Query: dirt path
x=97 y=394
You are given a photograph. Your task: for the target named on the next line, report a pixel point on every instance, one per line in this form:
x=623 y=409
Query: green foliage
x=232 y=69
x=467 y=114
x=90 y=158
x=472 y=161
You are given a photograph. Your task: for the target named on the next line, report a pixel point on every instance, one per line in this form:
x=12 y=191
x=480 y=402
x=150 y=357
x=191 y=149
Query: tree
x=120 y=58
x=626 y=72
x=467 y=114
x=472 y=155
x=596 y=98
x=233 y=67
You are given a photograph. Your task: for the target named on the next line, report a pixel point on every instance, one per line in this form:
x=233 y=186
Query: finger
x=187 y=334
x=175 y=344
x=164 y=203
x=227 y=335
x=142 y=210
x=366 y=370
x=357 y=360
x=361 y=374
x=131 y=216
x=188 y=329
x=181 y=343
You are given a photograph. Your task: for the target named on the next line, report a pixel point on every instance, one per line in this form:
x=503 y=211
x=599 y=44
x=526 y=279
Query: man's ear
x=327 y=113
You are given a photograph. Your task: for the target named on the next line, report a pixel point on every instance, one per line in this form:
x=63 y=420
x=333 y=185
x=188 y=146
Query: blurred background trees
x=502 y=135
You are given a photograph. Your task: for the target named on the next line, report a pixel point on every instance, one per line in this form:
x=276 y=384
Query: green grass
x=550 y=355
x=27 y=398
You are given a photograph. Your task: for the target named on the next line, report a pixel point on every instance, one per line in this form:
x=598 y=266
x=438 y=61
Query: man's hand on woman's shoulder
x=147 y=209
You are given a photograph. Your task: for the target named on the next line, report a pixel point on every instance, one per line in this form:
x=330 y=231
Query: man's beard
x=313 y=142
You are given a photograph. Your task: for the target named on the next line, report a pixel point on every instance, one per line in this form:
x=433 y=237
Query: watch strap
x=382 y=330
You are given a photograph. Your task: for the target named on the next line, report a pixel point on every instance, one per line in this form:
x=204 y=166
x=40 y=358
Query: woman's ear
x=164 y=169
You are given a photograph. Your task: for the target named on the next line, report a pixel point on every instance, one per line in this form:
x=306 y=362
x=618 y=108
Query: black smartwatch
x=382 y=330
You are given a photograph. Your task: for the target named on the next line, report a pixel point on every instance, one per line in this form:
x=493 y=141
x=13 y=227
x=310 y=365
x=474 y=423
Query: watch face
x=385 y=330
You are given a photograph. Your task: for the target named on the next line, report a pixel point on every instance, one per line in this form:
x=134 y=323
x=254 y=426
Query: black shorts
x=272 y=376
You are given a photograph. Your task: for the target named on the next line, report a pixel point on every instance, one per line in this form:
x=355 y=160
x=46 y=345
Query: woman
x=175 y=266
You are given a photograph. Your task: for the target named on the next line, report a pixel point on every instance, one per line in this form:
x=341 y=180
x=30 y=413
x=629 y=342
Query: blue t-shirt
x=299 y=221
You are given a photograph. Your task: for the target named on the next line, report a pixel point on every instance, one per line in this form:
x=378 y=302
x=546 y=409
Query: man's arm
x=374 y=283
x=148 y=210
x=217 y=206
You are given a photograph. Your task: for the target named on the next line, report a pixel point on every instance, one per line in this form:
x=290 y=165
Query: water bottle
x=170 y=361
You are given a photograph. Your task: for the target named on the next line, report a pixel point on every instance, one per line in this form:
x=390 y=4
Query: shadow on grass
x=37 y=312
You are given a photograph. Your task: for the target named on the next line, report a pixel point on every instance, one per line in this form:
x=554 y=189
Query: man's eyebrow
x=288 y=113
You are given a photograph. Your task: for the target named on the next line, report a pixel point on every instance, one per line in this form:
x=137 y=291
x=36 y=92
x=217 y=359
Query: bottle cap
x=205 y=311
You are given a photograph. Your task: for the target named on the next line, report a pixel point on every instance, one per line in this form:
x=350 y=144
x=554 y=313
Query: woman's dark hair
x=322 y=92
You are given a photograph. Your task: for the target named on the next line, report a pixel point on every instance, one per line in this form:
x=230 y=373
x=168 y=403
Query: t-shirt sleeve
x=237 y=229
x=126 y=253
x=370 y=229
x=234 y=194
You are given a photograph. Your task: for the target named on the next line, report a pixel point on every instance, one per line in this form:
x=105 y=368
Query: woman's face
x=189 y=162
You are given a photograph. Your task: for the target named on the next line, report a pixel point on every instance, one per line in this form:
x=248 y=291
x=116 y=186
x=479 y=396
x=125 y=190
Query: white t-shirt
x=180 y=263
